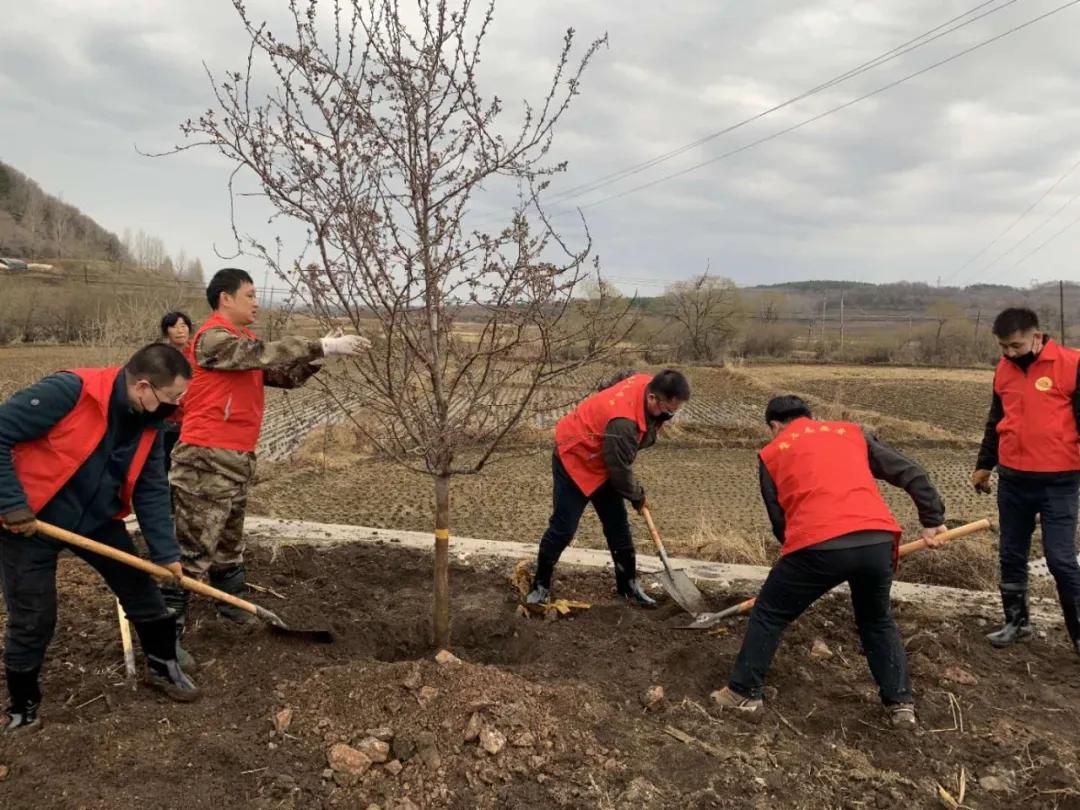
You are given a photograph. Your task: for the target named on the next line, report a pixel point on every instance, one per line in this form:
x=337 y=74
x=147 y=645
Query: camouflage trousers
x=209 y=498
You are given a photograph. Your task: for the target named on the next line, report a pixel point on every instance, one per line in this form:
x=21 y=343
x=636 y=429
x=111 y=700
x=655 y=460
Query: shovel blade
x=682 y=589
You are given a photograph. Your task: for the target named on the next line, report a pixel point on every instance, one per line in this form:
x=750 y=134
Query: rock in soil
x=375 y=750
x=347 y=760
x=492 y=740
x=428 y=749
x=958 y=675
x=446 y=657
x=472 y=729
x=282 y=720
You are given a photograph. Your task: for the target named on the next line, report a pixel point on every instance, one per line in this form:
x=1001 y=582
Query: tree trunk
x=442 y=562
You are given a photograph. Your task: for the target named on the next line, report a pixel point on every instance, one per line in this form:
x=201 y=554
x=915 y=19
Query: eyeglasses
x=154 y=389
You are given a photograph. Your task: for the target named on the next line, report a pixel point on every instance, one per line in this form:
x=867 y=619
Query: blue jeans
x=568 y=505
x=801 y=578
x=1054 y=500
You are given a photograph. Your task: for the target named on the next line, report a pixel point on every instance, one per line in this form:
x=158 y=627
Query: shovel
x=676 y=583
x=706 y=620
x=187 y=583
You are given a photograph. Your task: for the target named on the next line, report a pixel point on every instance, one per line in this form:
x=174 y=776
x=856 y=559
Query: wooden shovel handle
x=653 y=533
x=187 y=583
x=905 y=549
x=951 y=534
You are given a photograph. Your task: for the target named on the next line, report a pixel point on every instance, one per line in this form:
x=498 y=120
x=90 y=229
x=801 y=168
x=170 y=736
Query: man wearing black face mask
x=595 y=448
x=1033 y=438
x=81 y=449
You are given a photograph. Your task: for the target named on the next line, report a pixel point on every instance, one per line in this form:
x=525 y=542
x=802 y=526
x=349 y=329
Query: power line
x=1044 y=243
x=1014 y=223
x=895 y=53
x=830 y=111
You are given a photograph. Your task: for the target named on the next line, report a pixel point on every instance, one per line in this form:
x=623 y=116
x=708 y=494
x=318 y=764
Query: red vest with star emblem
x=823 y=482
x=579 y=436
x=43 y=465
x=1038 y=431
x=223 y=409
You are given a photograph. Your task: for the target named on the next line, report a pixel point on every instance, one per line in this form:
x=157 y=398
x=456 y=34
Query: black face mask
x=664 y=416
x=164 y=411
x=1023 y=361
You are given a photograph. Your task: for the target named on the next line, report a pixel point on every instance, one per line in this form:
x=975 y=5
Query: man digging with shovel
x=214 y=463
x=818 y=484
x=80 y=449
x=595 y=448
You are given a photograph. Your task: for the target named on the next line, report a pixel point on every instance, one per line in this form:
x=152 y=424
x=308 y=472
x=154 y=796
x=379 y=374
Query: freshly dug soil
x=559 y=708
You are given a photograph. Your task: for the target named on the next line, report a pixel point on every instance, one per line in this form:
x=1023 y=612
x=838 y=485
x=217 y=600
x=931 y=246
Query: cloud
x=906 y=185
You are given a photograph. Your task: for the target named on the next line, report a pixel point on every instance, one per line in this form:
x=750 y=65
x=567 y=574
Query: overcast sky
x=907 y=185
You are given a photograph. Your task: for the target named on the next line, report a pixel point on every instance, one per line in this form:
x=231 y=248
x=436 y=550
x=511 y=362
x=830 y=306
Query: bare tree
x=708 y=310
x=377 y=137
x=60 y=221
x=33 y=218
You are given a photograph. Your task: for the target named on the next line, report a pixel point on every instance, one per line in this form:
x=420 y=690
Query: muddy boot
x=234 y=582
x=163 y=671
x=626 y=581
x=22 y=712
x=726 y=698
x=902 y=716
x=176 y=599
x=1071 y=610
x=539 y=595
x=1014 y=601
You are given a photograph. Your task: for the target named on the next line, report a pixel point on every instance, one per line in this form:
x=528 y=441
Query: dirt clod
x=446 y=657
x=819 y=650
x=959 y=675
x=345 y=759
x=282 y=720
x=472 y=730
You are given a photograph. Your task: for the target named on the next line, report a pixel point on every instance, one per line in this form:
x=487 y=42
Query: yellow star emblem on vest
x=808 y=430
x=784 y=445
x=841 y=431
x=1044 y=384
x=825 y=429
x=794 y=435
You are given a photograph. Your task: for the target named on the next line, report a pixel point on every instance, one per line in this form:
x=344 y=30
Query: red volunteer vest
x=823 y=481
x=579 y=436
x=1038 y=431
x=46 y=463
x=222 y=409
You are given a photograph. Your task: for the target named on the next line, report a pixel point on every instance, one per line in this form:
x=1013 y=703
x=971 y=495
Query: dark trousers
x=797 y=581
x=1020 y=499
x=28 y=567
x=568 y=505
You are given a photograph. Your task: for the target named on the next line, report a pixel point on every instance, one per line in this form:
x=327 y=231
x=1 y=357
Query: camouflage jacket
x=286 y=363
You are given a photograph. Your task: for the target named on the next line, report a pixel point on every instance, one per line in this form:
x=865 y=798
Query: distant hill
x=36 y=225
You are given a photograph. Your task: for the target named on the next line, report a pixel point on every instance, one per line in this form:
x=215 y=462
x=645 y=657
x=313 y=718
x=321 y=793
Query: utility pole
x=1061 y=310
x=824 y=301
x=975 y=339
x=841 y=323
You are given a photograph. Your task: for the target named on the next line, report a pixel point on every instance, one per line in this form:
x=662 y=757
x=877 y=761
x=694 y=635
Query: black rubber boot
x=539 y=595
x=1071 y=611
x=163 y=671
x=1014 y=601
x=25 y=693
x=234 y=582
x=176 y=599
x=626 y=580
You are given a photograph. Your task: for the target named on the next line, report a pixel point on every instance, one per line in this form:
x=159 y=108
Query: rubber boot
x=234 y=582
x=541 y=584
x=25 y=693
x=176 y=599
x=1014 y=601
x=1071 y=611
x=163 y=671
x=626 y=581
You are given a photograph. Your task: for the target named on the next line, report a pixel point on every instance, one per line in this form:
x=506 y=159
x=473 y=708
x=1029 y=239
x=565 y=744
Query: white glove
x=338 y=343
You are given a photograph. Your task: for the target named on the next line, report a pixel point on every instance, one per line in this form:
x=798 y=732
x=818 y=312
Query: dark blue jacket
x=91 y=497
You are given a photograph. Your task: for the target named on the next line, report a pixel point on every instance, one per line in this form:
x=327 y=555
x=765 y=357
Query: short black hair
x=1014 y=319
x=170 y=319
x=786 y=408
x=671 y=384
x=159 y=364
x=226 y=280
